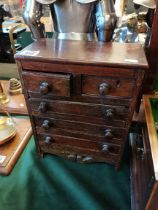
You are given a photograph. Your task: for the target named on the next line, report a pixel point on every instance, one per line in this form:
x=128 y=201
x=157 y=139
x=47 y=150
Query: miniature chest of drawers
x=81 y=96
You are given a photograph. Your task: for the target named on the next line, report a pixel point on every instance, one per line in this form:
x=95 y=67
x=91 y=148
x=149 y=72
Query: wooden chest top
x=128 y=55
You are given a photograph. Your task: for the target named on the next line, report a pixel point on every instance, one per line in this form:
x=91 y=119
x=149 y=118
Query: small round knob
x=46 y=124
x=104 y=88
x=108 y=134
x=109 y=113
x=72 y=157
x=105 y=147
x=42 y=107
x=44 y=88
x=48 y=139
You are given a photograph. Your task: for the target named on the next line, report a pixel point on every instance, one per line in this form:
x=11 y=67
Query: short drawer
x=47 y=85
x=106 y=112
x=104 y=86
x=102 y=148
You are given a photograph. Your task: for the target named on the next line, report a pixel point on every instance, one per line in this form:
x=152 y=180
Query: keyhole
x=118 y=83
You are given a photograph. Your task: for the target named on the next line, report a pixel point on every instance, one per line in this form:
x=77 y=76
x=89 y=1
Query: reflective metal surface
x=73 y=19
x=46 y=1
x=7 y=129
x=71 y=16
x=32 y=15
x=127 y=31
x=146 y=3
x=105 y=20
x=75 y=36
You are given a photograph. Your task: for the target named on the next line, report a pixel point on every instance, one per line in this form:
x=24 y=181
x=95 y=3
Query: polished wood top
x=110 y=54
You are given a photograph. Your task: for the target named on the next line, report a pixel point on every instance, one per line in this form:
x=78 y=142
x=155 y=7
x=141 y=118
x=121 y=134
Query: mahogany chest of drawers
x=81 y=96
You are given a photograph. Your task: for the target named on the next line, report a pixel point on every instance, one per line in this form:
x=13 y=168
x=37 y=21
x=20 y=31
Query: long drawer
x=78 y=154
x=109 y=113
x=107 y=132
x=77 y=134
x=100 y=148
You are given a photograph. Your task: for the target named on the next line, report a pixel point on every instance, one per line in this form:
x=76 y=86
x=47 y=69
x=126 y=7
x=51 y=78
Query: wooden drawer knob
x=44 y=88
x=43 y=107
x=108 y=134
x=105 y=147
x=140 y=153
x=72 y=157
x=109 y=113
x=104 y=88
x=48 y=139
x=46 y=124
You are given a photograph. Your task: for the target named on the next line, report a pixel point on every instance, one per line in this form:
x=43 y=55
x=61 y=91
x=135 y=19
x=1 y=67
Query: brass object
x=7 y=126
x=14 y=86
x=7 y=129
x=3 y=97
x=11 y=35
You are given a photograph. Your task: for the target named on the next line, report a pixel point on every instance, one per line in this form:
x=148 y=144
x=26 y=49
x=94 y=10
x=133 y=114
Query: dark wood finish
x=98 y=137
x=86 y=128
x=153 y=141
x=142 y=172
x=78 y=108
x=101 y=86
x=80 y=143
x=88 y=115
x=78 y=154
x=152 y=202
x=61 y=52
x=72 y=68
x=47 y=84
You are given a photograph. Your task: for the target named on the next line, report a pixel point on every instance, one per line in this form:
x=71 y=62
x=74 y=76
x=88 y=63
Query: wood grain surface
x=130 y=54
x=12 y=150
x=76 y=85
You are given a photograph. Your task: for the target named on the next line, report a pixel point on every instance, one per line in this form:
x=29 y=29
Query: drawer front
x=119 y=72
x=106 y=132
x=108 y=113
x=78 y=154
x=104 y=86
x=47 y=85
x=101 y=148
x=77 y=134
